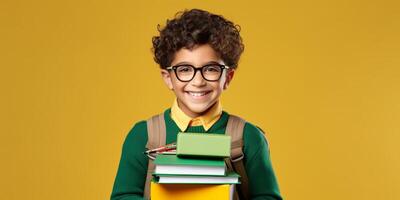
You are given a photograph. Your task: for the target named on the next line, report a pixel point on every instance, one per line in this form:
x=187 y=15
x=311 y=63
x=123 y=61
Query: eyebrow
x=188 y=63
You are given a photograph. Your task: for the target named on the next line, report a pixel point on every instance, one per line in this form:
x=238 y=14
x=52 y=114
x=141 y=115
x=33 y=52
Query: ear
x=167 y=78
x=229 y=77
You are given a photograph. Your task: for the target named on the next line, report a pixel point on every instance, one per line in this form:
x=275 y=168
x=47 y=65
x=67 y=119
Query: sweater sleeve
x=262 y=180
x=131 y=176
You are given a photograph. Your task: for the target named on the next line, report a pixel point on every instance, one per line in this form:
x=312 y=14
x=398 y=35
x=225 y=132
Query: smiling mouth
x=198 y=94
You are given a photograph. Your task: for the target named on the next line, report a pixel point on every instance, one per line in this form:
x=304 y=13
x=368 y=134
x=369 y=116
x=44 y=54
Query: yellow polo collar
x=207 y=120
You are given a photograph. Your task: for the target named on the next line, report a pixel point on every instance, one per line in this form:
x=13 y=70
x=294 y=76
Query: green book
x=172 y=164
x=203 y=145
x=230 y=178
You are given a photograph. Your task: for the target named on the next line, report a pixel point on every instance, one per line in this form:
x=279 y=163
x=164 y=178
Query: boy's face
x=198 y=95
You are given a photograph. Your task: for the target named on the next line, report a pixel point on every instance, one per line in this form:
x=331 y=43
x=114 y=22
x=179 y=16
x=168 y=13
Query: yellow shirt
x=207 y=120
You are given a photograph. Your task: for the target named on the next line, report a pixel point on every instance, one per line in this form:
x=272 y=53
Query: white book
x=172 y=164
x=231 y=178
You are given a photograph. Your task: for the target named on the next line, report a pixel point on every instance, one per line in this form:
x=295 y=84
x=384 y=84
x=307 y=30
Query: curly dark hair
x=196 y=27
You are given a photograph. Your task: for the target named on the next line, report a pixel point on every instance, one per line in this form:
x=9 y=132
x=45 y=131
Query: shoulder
x=253 y=134
x=138 y=133
x=254 y=141
x=249 y=128
x=137 y=136
x=139 y=128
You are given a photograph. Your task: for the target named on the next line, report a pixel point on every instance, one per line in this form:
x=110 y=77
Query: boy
x=198 y=53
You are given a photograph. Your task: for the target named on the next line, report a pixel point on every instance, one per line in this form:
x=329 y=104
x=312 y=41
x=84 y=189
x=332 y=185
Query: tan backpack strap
x=149 y=176
x=156 y=136
x=235 y=128
x=156 y=131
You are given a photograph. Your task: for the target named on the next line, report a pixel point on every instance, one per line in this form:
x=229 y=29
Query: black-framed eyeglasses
x=210 y=72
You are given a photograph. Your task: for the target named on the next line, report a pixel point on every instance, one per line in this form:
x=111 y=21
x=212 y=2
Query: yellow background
x=321 y=77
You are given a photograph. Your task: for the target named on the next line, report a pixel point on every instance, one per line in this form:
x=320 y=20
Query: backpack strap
x=156 y=134
x=235 y=128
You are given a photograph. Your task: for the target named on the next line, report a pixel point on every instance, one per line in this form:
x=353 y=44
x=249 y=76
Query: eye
x=184 y=68
x=212 y=68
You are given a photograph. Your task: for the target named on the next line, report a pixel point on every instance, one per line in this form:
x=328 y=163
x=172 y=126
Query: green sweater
x=131 y=175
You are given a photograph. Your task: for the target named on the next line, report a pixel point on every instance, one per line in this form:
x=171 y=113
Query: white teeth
x=197 y=94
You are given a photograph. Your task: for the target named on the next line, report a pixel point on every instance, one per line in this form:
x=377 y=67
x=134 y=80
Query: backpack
x=156 y=132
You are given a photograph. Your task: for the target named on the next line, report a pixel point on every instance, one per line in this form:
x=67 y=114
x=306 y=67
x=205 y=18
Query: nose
x=198 y=79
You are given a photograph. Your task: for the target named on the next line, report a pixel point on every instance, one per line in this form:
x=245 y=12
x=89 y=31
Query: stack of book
x=174 y=169
x=198 y=160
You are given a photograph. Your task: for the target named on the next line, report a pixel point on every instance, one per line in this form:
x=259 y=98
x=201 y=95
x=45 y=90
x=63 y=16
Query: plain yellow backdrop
x=320 y=77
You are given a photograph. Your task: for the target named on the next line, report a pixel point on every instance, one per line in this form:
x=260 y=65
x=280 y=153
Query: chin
x=199 y=109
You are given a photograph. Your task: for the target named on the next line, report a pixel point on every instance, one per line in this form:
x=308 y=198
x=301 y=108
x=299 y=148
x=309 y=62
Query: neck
x=194 y=114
